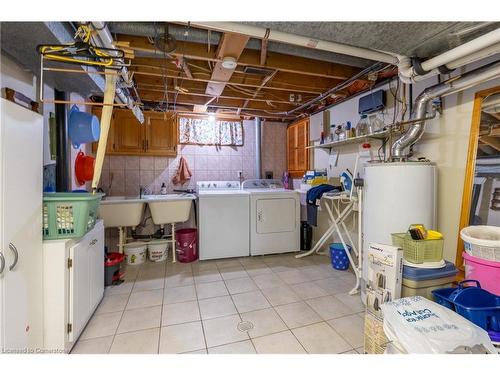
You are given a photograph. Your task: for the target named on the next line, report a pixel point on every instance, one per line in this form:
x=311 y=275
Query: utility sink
x=121 y=211
x=170 y=208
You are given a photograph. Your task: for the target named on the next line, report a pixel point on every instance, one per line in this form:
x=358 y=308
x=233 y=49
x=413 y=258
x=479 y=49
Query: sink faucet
x=141 y=192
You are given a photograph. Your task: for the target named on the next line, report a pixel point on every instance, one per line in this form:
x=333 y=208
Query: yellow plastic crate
x=419 y=251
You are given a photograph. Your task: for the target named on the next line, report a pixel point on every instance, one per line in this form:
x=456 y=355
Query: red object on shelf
x=84 y=168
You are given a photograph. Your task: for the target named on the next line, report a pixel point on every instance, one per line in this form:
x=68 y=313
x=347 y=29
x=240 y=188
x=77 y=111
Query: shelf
x=380 y=135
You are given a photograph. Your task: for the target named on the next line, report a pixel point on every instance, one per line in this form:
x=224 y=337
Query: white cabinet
x=21 y=142
x=73 y=286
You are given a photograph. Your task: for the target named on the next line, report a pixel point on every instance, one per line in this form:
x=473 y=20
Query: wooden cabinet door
x=128 y=134
x=161 y=134
x=297 y=152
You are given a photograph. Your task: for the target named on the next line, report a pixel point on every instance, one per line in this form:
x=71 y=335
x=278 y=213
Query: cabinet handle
x=147 y=144
x=16 y=256
x=2 y=263
x=259 y=216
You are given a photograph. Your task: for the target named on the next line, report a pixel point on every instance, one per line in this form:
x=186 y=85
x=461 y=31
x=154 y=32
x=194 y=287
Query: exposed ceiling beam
x=274 y=60
x=264 y=82
x=263 y=49
x=231 y=45
x=491 y=141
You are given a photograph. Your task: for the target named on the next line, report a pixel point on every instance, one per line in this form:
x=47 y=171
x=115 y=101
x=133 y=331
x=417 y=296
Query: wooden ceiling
x=192 y=78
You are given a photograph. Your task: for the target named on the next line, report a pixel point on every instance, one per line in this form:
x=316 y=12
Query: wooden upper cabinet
x=161 y=134
x=157 y=136
x=297 y=152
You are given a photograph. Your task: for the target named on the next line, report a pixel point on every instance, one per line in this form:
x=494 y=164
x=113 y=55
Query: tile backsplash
x=123 y=175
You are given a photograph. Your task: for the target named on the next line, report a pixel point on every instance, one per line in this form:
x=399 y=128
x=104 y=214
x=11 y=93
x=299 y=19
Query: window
x=202 y=131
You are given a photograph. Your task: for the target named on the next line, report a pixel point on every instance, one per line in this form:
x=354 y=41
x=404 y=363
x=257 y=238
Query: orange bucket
x=84 y=168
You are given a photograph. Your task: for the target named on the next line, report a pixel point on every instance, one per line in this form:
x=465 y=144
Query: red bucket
x=187 y=246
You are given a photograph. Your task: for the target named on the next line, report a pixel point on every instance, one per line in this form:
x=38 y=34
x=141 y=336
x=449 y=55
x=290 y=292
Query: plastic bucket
x=186 y=245
x=112 y=263
x=157 y=250
x=482 y=241
x=84 y=168
x=487 y=272
x=135 y=252
x=338 y=256
x=82 y=127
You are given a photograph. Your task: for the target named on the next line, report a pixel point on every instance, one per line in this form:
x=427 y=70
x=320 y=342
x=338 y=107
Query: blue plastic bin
x=338 y=256
x=475 y=304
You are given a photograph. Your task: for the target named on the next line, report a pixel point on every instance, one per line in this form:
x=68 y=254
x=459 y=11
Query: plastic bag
x=418 y=325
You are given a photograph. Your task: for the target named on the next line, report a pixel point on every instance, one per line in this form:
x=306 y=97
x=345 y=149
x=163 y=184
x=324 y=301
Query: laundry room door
x=275 y=215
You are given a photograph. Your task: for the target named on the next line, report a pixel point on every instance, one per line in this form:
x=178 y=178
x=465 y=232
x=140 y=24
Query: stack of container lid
x=424 y=267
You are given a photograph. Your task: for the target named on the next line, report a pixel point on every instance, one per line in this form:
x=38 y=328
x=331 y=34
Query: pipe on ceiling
x=258 y=147
x=401 y=146
x=298 y=40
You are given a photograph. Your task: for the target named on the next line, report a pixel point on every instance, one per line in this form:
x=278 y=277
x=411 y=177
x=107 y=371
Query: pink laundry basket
x=486 y=271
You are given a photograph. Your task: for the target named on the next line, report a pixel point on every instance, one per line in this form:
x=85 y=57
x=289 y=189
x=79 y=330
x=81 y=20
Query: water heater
x=395 y=196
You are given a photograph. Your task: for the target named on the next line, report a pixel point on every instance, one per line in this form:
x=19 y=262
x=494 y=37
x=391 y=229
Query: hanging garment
x=183 y=173
x=313 y=200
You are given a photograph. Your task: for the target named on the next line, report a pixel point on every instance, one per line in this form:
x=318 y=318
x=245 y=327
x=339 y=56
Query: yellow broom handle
x=107 y=112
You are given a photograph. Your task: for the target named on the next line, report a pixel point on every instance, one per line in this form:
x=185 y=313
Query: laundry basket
x=419 y=251
x=69 y=215
x=482 y=241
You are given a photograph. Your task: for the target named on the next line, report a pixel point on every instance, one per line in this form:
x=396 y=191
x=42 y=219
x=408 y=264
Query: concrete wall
x=445 y=143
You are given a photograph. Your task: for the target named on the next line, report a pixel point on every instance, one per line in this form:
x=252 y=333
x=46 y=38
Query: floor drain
x=245 y=326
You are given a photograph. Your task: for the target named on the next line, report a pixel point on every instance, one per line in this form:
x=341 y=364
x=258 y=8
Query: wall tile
x=236 y=163
x=160 y=162
x=224 y=163
x=105 y=163
x=147 y=178
x=132 y=178
x=117 y=180
x=201 y=162
x=116 y=162
x=132 y=162
x=147 y=163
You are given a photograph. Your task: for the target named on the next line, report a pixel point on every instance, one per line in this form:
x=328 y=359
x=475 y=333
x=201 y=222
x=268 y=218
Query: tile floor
x=268 y=304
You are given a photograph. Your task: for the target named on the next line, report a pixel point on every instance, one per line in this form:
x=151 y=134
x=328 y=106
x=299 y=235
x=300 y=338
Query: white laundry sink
x=170 y=208
x=121 y=211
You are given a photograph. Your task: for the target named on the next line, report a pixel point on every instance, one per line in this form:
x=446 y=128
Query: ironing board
x=332 y=201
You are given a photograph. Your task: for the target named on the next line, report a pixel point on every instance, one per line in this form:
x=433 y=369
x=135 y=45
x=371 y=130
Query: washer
x=223 y=220
x=274 y=217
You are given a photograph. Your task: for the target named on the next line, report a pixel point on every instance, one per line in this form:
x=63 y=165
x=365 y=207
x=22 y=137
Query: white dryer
x=274 y=217
x=223 y=220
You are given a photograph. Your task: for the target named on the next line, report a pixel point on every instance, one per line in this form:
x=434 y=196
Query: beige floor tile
x=242 y=347
x=112 y=303
x=183 y=312
x=297 y=314
x=242 y=285
x=320 y=338
x=204 y=265
x=228 y=263
x=101 y=325
x=230 y=273
x=139 y=319
x=329 y=307
x=99 y=345
x=354 y=302
x=257 y=269
x=223 y=330
x=181 y=279
x=201 y=351
x=250 y=301
x=281 y=295
x=148 y=284
x=151 y=273
x=308 y=290
x=207 y=276
x=145 y=299
x=293 y=277
x=179 y=294
x=182 y=338
x=350 y=328
x=334 y=285
x=139 y=342
x=316 y=272
x=268 y=281
x=278 y=343
x=216 y=307
x=210 y=290
x=265 y=322
x=123 y=288
x=360 y=350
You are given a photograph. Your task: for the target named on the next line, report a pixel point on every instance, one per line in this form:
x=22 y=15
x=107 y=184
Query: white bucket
x=135 y=252
x=157 y=250
x=482 y=241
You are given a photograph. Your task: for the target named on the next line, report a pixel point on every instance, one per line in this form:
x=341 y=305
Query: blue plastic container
x=82 y=127
x=475 y=304
x=421 y=274
x=338 y=256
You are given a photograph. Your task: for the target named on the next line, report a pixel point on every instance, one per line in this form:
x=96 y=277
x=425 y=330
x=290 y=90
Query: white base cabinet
x=73 y=287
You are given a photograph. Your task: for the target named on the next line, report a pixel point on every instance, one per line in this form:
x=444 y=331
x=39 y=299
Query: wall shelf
x=379 y=135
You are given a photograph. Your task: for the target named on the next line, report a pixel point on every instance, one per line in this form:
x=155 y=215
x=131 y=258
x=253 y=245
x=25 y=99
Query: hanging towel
x=183 y=173
x=313 y=196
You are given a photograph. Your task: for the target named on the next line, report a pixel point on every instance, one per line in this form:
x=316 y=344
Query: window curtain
x=200 y=131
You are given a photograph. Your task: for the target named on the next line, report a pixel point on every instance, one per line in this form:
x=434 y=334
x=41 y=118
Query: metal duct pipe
x=63 y=156
x=303 y=41
x=401 y=146
x=258 y=147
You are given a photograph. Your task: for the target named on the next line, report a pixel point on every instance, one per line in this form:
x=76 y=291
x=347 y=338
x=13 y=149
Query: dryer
x=223 y=220
x=274 y=217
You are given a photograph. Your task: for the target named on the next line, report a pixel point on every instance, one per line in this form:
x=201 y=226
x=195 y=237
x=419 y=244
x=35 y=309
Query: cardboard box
x=385 y=270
